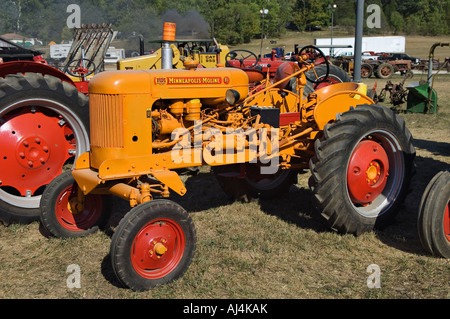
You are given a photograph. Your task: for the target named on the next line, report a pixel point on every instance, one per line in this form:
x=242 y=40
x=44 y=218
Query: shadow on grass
x=296 y=207
x=436 y=148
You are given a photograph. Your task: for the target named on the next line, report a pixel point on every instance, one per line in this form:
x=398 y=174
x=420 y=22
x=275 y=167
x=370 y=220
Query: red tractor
x=44 y=123
x=277 y=68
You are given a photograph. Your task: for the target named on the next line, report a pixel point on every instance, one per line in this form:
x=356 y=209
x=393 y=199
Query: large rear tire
x=44 y=126
x=434 y=216
x=384 y=71
x=362 y=168
x=153 y=245
x=335 y=75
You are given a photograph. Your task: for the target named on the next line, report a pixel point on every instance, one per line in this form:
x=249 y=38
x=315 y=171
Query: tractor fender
x=15 y=67
x=338 y=98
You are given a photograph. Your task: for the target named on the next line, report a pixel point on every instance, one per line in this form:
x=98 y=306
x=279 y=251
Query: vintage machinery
x=43 y=127
x=208 y=54
x=44 y=117
x=382 y=69
x=146 y=124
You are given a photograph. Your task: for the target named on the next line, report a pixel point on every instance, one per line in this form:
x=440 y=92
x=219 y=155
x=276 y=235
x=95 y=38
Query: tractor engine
x=134 y=113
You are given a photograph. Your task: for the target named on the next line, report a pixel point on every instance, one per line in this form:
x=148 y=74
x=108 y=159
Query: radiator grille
x=106 y=120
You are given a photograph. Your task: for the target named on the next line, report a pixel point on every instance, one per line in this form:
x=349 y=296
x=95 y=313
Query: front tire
x=64 y=216
x=362 y=168
x=153 y=245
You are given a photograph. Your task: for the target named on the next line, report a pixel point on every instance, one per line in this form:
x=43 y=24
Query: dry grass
x=262 y=249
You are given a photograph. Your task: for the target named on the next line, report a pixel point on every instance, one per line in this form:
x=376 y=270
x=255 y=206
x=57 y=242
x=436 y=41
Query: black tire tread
x=434 y=199
x=47 y=216
x=327 y=163
x=122 y=234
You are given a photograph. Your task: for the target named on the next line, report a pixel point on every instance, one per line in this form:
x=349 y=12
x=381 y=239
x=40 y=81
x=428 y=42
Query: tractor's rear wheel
x=362 y=168
x=335 y=75
x=153 y=245
x=366 y=70
x=434 y=216
x=66 y=213
x=43 y=127
x=384 y=71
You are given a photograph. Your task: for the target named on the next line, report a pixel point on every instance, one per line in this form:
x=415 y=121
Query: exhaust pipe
x=166 y=50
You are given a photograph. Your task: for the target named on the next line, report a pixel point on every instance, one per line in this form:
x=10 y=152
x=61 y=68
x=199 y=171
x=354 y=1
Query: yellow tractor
x=147 y=124
x=208 y=54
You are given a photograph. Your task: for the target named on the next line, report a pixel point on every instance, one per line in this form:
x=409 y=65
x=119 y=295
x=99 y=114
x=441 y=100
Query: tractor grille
x=106 y=120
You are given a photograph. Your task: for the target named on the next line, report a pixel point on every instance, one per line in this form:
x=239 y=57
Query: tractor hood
x=207 y=84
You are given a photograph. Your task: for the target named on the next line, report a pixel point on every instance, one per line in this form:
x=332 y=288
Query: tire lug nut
x=30 y=163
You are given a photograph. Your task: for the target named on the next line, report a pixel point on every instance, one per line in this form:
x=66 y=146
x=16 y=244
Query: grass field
x=261 y=249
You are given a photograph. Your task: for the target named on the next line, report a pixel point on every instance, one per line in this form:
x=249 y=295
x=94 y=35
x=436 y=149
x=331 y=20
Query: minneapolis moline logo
x=189 y=80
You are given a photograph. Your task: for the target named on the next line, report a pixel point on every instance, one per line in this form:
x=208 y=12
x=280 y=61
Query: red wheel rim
x=158 y=248
x=367 y=172
x=447 y=222
x=365 y=72
x=77 y=218
x=35 y=146
x=385 y=71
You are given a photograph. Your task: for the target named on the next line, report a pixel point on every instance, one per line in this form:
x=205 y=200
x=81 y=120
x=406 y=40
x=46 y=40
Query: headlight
x=232 y=96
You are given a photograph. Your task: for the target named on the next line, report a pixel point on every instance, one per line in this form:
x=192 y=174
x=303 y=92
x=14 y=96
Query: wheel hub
x=32 y=152
x=157 y=248
x=367 y=172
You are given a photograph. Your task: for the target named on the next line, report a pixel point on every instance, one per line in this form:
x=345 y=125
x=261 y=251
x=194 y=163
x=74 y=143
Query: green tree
x=237 y=23
x=397 y=21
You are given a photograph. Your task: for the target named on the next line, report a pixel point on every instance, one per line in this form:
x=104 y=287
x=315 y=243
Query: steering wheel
x=316 y=57
x=81 y=67
x=244 y=57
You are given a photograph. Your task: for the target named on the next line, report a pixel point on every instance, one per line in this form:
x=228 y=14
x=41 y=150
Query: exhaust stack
x=166 y=50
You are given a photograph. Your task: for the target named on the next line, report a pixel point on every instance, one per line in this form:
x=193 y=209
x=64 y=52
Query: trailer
x=394 y=44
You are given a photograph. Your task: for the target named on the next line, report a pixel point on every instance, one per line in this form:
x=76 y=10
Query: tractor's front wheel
x=66 y=212
x=434 y=216
x=153 y=245
x=362 y=168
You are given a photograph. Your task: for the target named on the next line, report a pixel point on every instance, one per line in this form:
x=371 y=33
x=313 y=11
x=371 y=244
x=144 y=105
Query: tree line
x=229 y=21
